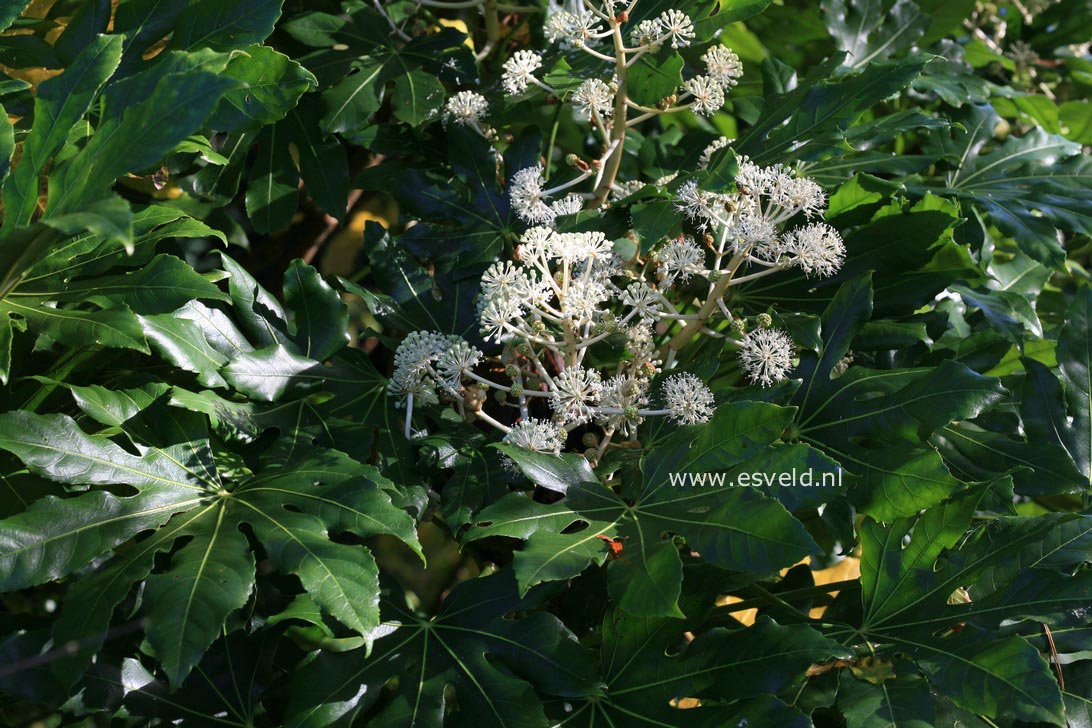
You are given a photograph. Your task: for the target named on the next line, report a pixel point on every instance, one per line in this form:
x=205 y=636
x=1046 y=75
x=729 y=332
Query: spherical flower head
x=466 y=108
x=679 y=260
x=766 y=355
x=593 y=96
x=689 y=401
x=715 y=146
x=412 y=360
x=708 y=95
x=643 y=350
x=498 y=316
x=572 y=30
x=805 y=196
x=787 y=193
x=505 y=281
x=419 y=349
x=527 y=192
x=647 y=34
x=583 y=300
x=459 y=359
x=751 y=231
x=405 y=383
x=519 y=71
x=568 y=205
x=575 y=392
x=538 y=243
x=817 y=248
x=678 y=26
x=576 y=247
x=538 y=435
x=755 y=180
x=705 y=208
x=643 y=300
x=722 y=65
x=627 y=394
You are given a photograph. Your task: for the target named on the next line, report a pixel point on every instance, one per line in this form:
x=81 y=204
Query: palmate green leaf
x=162 y=286
x=552 y=472
x=261 y=315
x=809 y=121
x=136 y=137
x=378 y=57
x=89 y=20
x=1037 y=468
x=894 y=413
x=651 y=80
x=732 y=527
x=349 y=104
x=906 y=701
x=220 y=183
x=89 y=253
x=1030 y=186
x=994 y=677
x=1014 y=567
x=497 y=667
x=320 y=317
x=181 y=342
x=230 y=681
x=94 y=598
x=270 y=84
x=293 y=511
x=1075 y=364
x=210 y=577
x=61 y=102
x=417 y=97
x=322 y=162
x=273 y=190
x=474 y=482
x=114 y=408
x=1019 y=562
x=225 y=25
x=273 y=372
x=467 y=217
x=871 y=30
x=116 y=327
x=56 y=536
x=892 y=572
x=553 y=551
x=646 y=666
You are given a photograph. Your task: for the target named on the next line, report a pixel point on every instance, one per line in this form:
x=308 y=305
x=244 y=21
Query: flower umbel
x=766 y=355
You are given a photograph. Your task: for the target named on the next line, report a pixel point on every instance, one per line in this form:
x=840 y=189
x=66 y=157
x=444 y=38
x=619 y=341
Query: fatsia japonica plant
x=545 y=363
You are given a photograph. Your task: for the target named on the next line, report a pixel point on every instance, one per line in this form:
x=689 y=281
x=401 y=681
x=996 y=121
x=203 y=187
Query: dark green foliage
x=220 y=217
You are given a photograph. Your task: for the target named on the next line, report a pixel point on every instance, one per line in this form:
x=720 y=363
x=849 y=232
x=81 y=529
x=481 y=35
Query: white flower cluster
x=597 y=28
x=586 y=341
x=427 y=361
x=750 y=221
x=519 y=71
x=766 y=355
x=465 y=108
x=566 y=293
x=531 y=200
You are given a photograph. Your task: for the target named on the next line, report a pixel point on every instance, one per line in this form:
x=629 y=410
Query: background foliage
x=221 y=216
